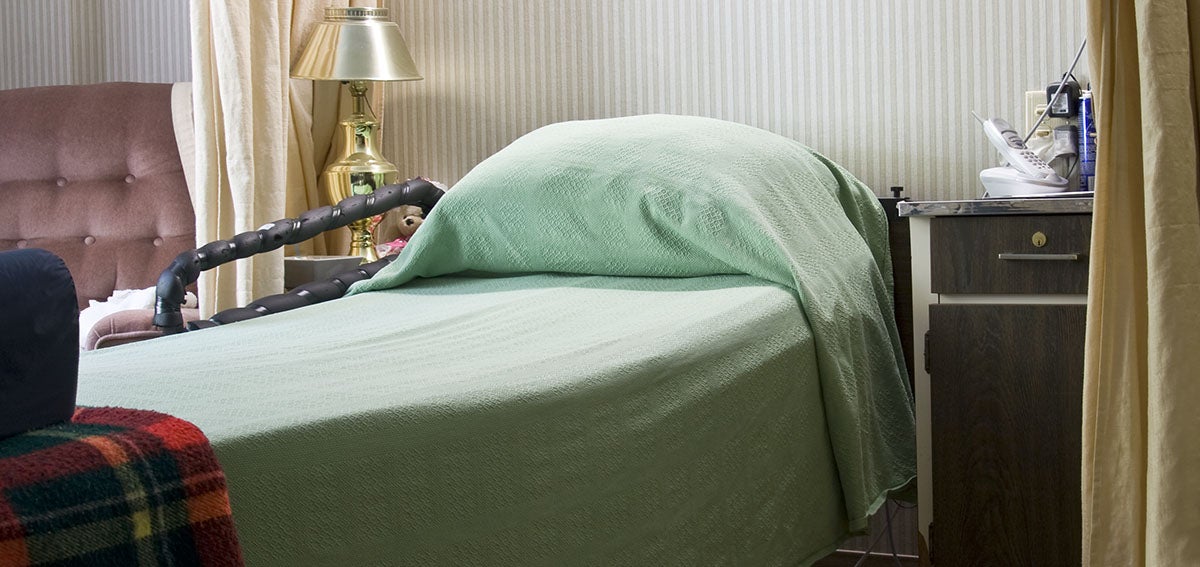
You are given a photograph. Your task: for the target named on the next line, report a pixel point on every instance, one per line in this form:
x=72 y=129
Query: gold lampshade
x=356 y=45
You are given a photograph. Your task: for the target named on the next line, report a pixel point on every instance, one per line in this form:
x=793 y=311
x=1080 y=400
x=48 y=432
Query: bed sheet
x=522 y=420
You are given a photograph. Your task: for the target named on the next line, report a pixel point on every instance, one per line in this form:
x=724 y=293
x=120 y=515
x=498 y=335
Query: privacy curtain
x=1141 y=427
x=253 y=133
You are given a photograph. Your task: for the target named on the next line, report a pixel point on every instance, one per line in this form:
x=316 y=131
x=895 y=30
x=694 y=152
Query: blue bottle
x=1087 y=143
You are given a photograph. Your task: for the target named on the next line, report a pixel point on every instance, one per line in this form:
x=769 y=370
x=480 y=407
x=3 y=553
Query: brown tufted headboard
x=92 y=173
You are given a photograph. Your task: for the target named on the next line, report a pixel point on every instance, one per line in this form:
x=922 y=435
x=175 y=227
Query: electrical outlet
x=1035 y=105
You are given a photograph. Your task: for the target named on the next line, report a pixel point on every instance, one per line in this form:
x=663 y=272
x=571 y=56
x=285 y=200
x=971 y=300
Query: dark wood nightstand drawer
x=998 y=254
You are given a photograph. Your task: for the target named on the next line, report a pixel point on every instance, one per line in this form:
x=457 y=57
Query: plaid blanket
x=114 y=487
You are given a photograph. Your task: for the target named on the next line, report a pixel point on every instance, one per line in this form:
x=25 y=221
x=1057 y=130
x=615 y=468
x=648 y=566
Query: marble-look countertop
x=1003 y=206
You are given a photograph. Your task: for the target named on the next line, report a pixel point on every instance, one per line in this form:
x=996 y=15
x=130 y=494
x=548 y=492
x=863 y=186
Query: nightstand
x=999 y=299
x=299 y=270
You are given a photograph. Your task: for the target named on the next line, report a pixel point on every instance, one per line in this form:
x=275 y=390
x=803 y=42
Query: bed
x=653 y=340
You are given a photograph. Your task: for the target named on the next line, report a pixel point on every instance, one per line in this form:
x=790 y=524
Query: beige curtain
x=254 y=147
x=304 y=163
x=1141 y=430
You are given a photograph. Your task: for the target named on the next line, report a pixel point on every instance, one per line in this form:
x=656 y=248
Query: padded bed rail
x=186 y=267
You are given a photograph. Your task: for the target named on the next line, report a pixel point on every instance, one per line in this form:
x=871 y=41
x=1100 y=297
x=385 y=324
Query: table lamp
x=356 y=45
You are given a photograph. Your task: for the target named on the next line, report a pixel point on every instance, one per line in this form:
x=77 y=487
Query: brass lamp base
x=359 y=169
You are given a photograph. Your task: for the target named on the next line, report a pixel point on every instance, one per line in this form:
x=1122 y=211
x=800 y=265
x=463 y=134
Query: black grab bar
x=185 y=269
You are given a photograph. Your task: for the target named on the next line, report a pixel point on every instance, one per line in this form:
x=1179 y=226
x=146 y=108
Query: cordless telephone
x=1025 y=173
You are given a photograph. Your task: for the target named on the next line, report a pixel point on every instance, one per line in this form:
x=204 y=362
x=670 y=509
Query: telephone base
x=1008 y=182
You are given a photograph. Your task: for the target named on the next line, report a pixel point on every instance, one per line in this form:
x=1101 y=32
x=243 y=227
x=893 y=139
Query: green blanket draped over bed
x=685 y=196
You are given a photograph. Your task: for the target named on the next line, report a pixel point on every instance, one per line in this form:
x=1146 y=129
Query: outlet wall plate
x=1035 y=105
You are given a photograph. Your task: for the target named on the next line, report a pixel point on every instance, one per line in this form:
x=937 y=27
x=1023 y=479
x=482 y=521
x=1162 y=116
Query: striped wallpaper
x=61 y=42
x=884 y=87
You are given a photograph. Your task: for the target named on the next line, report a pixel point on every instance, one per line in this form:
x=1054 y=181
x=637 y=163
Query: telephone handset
x=1025 y=174
x=1008 y=141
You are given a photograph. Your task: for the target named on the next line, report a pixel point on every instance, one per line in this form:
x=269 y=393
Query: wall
x=59 y=42
x=883 y=87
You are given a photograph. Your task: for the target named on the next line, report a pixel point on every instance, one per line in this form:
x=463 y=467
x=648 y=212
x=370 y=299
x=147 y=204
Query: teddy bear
x=396 y=227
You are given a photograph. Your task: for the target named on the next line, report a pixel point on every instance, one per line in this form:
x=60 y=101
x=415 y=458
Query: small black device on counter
x=1067 y=103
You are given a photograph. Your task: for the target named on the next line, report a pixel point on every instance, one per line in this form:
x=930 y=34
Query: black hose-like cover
x=186 y=267
x=307 y=294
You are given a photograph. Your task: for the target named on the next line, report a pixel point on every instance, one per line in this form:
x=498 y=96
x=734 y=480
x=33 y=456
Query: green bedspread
x=684 y=196
x=532 y=420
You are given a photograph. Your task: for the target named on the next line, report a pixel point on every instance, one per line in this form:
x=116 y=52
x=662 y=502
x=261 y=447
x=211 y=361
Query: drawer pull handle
x=1056 y=257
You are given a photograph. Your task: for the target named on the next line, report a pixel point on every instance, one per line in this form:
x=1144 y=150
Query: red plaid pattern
x=114 y=487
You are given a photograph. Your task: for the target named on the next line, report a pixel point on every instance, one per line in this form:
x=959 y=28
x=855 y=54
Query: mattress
x=544 y=419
